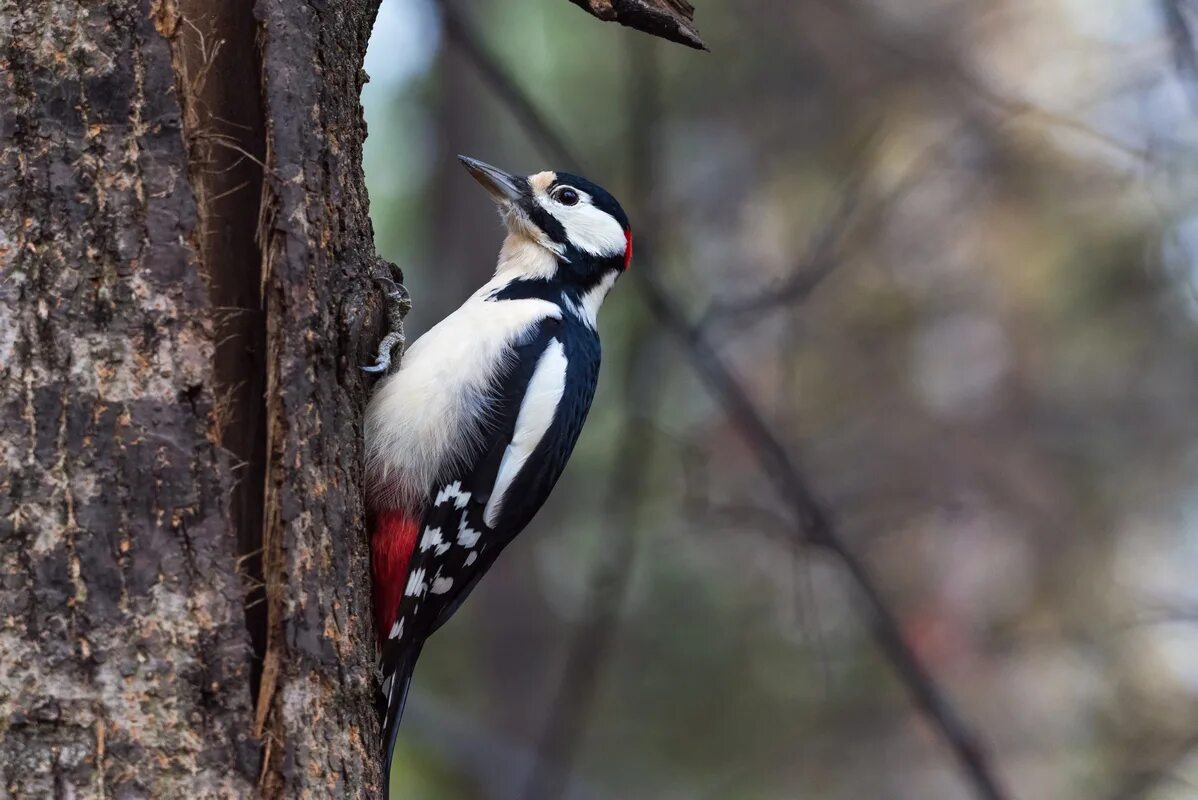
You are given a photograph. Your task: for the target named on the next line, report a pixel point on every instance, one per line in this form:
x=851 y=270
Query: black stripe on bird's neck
x=549 y=224
x=551 y=290
x=568 y=287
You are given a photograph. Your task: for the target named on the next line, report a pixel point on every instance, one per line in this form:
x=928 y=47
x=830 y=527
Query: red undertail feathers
x=392 y=543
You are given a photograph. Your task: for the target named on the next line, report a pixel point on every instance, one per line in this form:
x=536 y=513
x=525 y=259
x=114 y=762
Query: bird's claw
x=395 y=290
x=380 y=366
x=399 y=302
x=382 y=361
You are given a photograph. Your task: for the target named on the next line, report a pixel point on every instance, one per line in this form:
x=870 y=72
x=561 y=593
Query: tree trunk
x=183 y=227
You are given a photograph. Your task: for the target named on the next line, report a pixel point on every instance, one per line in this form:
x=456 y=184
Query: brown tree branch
x=669 y=19
x=458 y=31
x=813 y=524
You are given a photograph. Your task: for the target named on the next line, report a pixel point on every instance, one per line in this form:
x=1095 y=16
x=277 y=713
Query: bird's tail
x=392 y=698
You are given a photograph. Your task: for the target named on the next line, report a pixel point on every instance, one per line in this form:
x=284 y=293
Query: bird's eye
x=567 y=197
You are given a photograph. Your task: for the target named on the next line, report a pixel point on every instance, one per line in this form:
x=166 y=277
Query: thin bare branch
x=827 y=249
x=954 y=74
x=595 y=634
x=822 y=257
x=815 y=526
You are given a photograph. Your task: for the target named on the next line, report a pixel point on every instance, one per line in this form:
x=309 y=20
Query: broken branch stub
x=669 y=19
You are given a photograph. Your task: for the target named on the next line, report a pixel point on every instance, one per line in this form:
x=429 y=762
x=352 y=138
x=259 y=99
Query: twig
x=817 y=263
x=813 y=523
x=951 y=70
x=229 y=143
x=826 y=250
x=594 y=635
x=816 y=527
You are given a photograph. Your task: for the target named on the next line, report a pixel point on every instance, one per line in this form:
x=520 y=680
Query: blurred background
x=948 y=249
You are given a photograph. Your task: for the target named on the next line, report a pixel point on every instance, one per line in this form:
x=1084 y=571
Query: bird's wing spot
x=432 y=538
x=416 y=585
x=467 y=536
x=453 y=492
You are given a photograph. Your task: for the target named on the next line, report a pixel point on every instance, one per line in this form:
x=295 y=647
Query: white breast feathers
x=426 y=418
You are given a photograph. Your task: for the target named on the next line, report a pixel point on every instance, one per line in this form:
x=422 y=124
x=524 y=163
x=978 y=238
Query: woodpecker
x=466 y=439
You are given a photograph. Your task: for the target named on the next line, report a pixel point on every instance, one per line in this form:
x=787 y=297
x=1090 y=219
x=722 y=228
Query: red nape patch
x=391 y=545
x=628 y=250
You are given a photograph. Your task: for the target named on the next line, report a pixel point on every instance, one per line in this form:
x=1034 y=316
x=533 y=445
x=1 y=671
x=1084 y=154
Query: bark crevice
x=216 y=58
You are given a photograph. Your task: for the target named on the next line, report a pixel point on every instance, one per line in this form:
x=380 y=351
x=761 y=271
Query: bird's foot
x=386 y=346
x=399 y=303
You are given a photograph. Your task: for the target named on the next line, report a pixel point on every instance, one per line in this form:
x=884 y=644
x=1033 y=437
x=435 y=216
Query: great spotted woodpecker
x=466 y=439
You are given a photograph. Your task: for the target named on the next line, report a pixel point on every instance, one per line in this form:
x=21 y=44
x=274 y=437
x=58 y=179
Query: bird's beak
x=504 y=188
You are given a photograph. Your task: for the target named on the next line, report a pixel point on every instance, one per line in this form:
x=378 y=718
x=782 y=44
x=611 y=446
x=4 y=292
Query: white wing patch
x=541 y=400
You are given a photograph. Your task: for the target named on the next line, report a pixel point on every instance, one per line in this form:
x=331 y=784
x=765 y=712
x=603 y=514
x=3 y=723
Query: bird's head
x=560 y=227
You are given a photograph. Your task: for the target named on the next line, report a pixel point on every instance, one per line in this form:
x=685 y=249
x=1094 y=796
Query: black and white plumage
x=467 y=439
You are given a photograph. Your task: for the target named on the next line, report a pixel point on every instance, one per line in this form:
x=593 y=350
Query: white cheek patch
x=587 y=228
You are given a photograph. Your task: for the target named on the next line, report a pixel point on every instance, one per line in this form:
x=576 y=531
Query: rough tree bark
x=317 y=685
x=153 y=284
x=186 y=261
x=121 y=635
